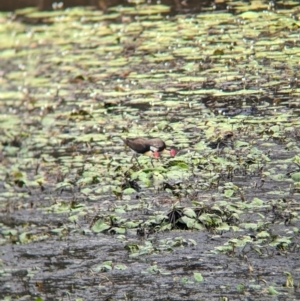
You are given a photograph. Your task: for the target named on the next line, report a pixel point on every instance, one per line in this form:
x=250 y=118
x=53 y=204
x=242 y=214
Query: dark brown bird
x=146 y=146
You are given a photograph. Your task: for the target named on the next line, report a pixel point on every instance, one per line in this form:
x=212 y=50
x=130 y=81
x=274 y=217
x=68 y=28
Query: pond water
x=80 y=220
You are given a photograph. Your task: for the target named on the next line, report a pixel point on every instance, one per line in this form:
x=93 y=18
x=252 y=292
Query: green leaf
x=296 y=177
x=178 y=163
x=257 y=202
x=104 y=267
x=193 y=242
x=131 y=224
x=249 y=226
x=24 y=237
x=100 y=226
x=263 y=234
x=166 y=227
x=272 y=290
x=189 y=212
x=132 y=247
x=120 y=267
x=190 y=223
x=129 y=191
x=223 y=227
x=118 y=230
x=198 y=277
x=229 y=193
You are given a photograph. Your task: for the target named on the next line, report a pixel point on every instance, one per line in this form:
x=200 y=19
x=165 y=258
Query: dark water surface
x=80 y=221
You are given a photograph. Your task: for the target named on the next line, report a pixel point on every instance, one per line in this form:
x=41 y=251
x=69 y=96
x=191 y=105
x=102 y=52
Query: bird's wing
x=139 y=145
x=144 y=146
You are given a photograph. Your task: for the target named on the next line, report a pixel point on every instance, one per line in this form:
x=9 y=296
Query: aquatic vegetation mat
x=81 y=219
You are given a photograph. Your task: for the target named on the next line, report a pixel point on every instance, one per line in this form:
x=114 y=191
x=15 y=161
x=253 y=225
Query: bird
x=146 y=146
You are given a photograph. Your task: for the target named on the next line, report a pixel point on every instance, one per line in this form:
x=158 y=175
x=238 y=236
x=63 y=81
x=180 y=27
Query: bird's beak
x=156 y=154
x=172 y=152
x=168 y=151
